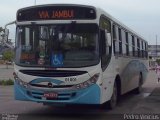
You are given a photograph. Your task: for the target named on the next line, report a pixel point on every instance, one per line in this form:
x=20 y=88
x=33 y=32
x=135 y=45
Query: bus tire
x=114 y=98
x=138 y=90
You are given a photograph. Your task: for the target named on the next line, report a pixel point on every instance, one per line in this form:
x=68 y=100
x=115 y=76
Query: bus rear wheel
x=138 y=90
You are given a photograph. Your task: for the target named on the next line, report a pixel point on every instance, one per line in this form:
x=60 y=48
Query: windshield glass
x=62 y=45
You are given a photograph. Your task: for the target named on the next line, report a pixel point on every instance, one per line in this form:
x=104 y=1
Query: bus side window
x=115 y=40
x=103 y=42
x=138 y=47
x=133 y=46
x=127 y=44
x=146 y=50
x=106 y=50
x=120 y=41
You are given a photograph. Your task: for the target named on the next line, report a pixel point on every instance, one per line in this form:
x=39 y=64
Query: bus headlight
x=19 y=81
x=87 y=83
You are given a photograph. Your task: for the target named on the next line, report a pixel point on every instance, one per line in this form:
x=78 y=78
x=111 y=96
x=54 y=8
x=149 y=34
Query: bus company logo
x=50 y=85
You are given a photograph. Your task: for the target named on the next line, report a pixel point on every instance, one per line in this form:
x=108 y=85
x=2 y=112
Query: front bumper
x=90 y=95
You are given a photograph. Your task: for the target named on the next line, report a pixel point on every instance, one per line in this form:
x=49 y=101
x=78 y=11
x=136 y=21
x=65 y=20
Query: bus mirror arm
x=6 y=32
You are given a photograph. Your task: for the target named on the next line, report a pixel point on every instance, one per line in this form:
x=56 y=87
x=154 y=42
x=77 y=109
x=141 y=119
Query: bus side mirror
x=108 y=37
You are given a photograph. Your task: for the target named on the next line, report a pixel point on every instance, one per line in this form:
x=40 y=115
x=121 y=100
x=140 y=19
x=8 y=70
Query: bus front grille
x=53 y=73
x=55 y=86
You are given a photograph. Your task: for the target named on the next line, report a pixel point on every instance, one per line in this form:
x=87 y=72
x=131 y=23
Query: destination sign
x=56 y=13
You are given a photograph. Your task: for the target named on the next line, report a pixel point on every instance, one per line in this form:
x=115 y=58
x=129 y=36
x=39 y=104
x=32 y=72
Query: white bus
x=76 y=54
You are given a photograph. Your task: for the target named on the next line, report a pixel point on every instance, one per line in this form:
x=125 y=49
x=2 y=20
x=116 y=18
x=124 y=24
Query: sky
x=142 y=16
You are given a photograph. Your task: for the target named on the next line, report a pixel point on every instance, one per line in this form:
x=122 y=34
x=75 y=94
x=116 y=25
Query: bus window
x=78 y=47
x=127 y=44
x=130 y=44
x=146 y=50
x=142 y=49
x=123 y=42
x=105 y=25
x=115 y=40
x=133 y=46
x=120 y=41
x=138 y=48
x=114 y=33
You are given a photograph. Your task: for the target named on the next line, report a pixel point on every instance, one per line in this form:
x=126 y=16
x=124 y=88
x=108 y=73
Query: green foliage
x=6 y=82
x=8 y=55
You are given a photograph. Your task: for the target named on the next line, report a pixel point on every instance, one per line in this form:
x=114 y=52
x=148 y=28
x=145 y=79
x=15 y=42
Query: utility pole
x=34 y=2
x=156 y=47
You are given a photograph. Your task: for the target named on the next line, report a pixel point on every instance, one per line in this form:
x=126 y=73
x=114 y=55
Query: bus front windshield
x=60 y=45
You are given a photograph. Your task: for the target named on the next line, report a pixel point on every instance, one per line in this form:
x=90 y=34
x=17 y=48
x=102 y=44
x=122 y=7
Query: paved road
x=148 y=102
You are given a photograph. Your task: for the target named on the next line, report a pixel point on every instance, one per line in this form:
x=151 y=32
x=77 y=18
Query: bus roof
x=98 y=10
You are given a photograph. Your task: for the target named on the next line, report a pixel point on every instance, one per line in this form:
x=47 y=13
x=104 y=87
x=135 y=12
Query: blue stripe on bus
x=39 y=80
x=89 y=95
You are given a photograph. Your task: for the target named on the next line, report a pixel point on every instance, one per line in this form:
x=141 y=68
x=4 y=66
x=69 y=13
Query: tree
x=8 y=56
x=1 y=29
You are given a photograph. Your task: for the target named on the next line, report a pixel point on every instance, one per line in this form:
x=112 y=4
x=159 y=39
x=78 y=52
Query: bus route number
x=70 y=79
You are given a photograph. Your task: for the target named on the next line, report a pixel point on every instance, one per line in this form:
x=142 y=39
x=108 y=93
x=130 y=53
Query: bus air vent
x=53 y=73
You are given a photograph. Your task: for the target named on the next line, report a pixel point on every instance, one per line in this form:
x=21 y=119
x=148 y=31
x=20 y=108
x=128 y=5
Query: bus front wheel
x=114 y=98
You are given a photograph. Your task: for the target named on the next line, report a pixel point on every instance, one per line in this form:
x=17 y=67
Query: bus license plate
x=50 y=95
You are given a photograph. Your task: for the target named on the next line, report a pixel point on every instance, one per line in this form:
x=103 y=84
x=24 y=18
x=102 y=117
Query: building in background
x=154 y=54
